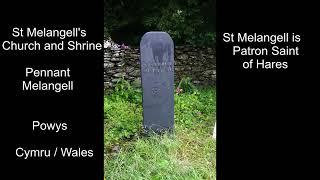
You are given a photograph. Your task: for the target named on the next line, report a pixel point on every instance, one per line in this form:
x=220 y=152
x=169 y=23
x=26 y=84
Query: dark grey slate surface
x=157 y=76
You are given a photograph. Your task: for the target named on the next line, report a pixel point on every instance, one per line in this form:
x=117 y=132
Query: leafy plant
x=189 y=154
x=186 y=85
x=122 y=120
x=125 y=91
x=123 y=110
x=187 y=21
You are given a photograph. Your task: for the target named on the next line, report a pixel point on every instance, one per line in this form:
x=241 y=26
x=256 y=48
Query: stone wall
x=197 y=63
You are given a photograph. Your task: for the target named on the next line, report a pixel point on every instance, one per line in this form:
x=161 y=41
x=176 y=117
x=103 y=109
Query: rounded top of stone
x=154 y=35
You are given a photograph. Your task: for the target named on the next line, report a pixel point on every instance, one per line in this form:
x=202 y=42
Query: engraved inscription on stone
x=157 y=76
x=157 y=67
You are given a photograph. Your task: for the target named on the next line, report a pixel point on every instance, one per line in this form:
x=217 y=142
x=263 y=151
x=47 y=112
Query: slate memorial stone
x=157 y=77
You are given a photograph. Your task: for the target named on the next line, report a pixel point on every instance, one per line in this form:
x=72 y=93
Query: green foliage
x=186 y=85
x=124 y=91
x=195 y=108
x=122 y=113
x=122 y=120
x=187 y=21
x=188 y=154
x=123 y=110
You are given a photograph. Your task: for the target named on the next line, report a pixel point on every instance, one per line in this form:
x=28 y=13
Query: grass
x=189 y=153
